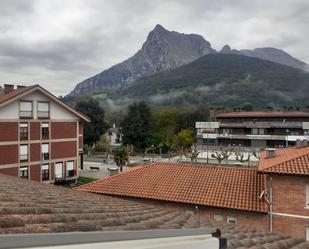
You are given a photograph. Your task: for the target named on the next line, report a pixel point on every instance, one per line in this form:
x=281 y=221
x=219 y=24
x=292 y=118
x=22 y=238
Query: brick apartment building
x=273 y=197
x=41 y=138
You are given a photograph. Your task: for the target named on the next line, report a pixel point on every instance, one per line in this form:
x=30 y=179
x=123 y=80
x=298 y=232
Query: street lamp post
x=207 y=160
x=287 y=138
x=152 y=147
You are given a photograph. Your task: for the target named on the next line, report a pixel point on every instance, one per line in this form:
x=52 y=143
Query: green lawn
x=84 y=180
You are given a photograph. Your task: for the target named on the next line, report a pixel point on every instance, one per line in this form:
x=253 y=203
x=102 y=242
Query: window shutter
x=70 y=165
x=25 y=106
x=44 y=148
x=45 y=167
x=58 y=170
x=43 y=107
x=24 y=149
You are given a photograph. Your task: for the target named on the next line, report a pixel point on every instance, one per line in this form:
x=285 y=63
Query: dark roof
x=17 y=92
x=262 y=114
x=288 y=161
x=225 y=187
x=33 y=207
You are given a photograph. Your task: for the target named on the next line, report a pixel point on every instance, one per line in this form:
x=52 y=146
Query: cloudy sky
x=58 y=43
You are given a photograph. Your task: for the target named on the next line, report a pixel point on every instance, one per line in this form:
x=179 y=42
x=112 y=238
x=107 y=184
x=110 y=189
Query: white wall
x=11 y=111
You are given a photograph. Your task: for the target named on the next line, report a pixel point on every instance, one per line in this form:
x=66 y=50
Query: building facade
x=254 y=129
x=114 y=136
x=41 y=138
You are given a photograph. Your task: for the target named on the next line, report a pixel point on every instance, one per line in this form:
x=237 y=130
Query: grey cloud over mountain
x=60 y=43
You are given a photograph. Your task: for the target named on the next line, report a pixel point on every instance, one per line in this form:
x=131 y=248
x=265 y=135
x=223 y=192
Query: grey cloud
x=59 y=43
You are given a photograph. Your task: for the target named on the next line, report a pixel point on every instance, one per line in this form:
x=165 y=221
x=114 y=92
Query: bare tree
x=221 y=155
x=192 y=153
x=243 y=157
x=256 y=154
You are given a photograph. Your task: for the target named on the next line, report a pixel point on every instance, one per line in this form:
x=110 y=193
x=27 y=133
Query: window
x=254 y=131
x=23 y=153
x=23 y=131
x=23 y=172
x=45 y=172
x=231 y=220
x=43 y=110
x=59 y=170
x=45 y=152
x=45 y=130
x=218 y=217
x=25 y=109
x=70 y=169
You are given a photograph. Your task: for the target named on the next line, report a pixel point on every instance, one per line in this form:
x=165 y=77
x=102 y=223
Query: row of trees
x=165 y=130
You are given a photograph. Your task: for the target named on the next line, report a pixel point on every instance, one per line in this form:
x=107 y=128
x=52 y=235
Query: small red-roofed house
x=288 y=189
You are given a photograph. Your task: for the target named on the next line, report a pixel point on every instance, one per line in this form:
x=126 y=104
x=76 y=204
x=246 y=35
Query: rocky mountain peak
x=226 y=49
x=162 y=50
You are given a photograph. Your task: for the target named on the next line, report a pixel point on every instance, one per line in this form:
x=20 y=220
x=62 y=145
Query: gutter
x=165 y=239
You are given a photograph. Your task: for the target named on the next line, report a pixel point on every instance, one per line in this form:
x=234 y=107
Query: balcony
x=23 y=136
x=45 y=156
x=43 y=114
x=26 y=114
x=262 y=125
x=23 y=157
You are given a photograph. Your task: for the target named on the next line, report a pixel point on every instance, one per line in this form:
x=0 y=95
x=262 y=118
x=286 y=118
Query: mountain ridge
x=166 y=50
x=219 y=79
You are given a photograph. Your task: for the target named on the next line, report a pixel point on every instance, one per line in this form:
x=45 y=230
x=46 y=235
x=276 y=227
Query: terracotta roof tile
x=225 y=187
x=263 y=114
x=15 y=93
x=290 y=161
x=32 y=207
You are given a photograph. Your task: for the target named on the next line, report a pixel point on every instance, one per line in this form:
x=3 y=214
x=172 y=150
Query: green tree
x=137 y=125
x=185 y=138
x=165 y=120
x=186 y=119
x=183 y=141
x=92 y=130
x=121 y=157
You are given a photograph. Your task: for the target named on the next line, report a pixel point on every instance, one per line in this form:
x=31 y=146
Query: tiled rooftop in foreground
x=226 y=187
x=31 y=207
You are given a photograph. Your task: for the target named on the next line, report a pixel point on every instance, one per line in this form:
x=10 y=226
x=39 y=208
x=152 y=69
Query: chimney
x=270 y=153
x=20 y=86
x=8 y=88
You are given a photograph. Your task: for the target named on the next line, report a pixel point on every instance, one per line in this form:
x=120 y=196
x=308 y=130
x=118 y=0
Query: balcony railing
x=45 y=156
x=23 y=157
x=45 y=135
x=25 y=114
x=24 y=136
x=45 y=176
x=43 y=114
